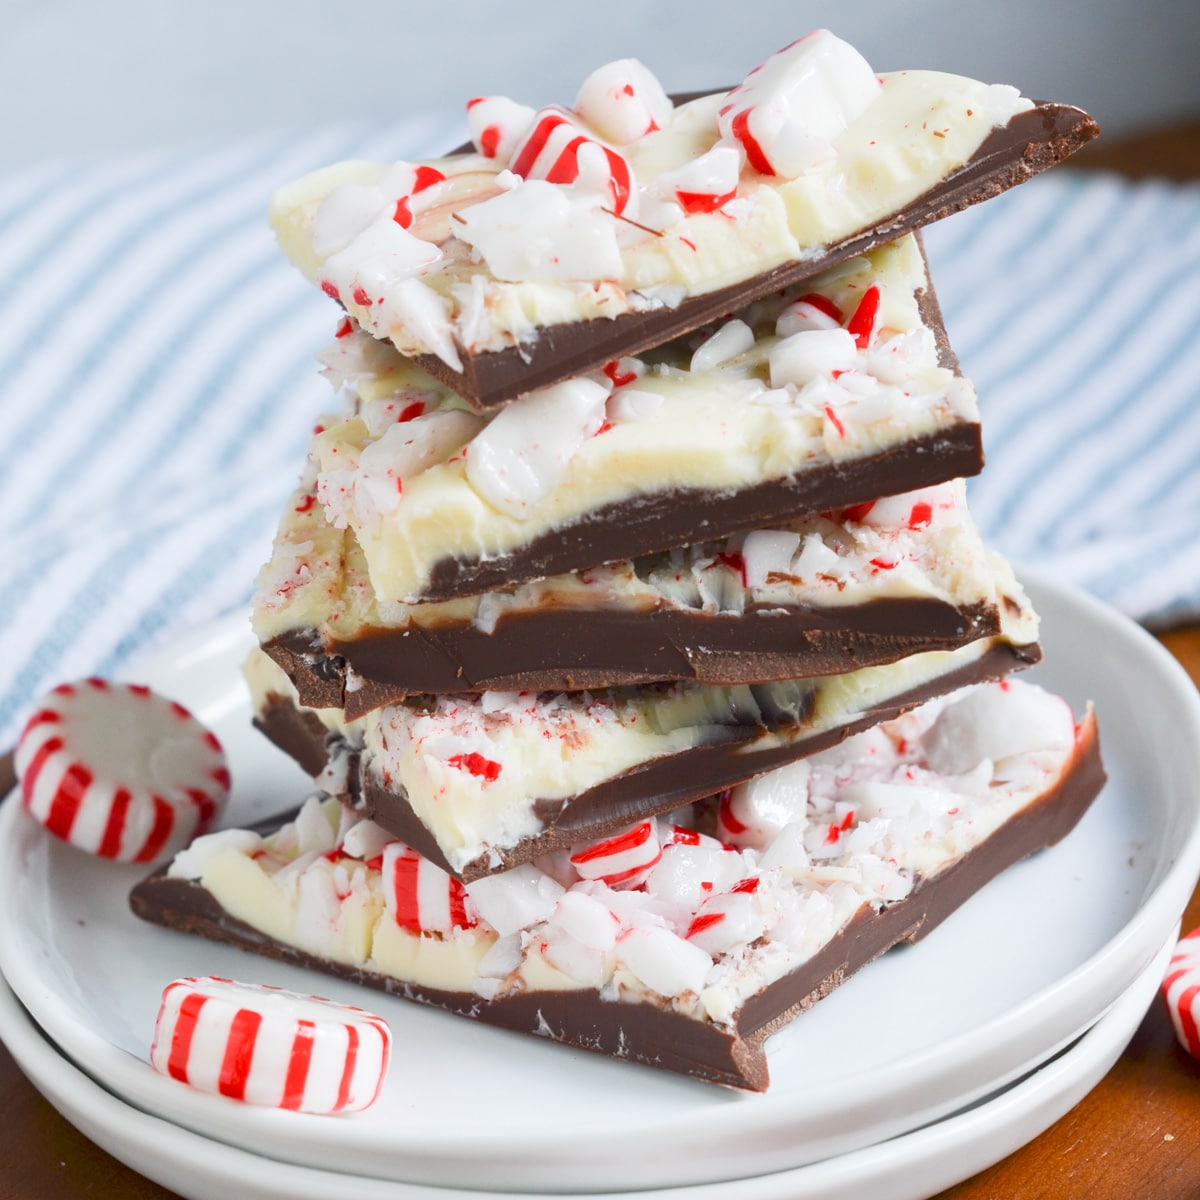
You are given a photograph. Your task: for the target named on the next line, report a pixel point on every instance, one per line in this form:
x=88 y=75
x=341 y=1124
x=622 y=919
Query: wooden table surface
x=1136 y=1136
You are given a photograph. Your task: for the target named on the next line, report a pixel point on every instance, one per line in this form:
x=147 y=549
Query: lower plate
x=908 y=1167
x=1025 y=967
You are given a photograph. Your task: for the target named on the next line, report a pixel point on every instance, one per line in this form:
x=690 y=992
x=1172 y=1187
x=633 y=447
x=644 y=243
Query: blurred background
x=84 y=76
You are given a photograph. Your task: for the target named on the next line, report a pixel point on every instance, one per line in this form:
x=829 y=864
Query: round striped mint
x=1181 y=989
x=270 y=1047
x=120 y=771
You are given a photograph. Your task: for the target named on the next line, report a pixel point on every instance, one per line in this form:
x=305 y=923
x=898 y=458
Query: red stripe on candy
x=740 y=128
x=622 y=876
x=110 y=843
x=823 y=304
x=298 y=1063
x=343 y=1096
x=704 y=921
x=489 y=141
x=47 y=716
x=405 y=874
x=29 y=780
x=239 y=1053
x=832 y=417
x=862 y=324
x=181 y=1038
x=68 y=799
x=726 y=814
x=1187 y=1018
x=164 y=819
x=629 y=840
x=458 y=906
x=475 y=764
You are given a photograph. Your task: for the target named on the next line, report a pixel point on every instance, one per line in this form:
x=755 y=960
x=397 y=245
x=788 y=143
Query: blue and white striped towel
x=157 y=387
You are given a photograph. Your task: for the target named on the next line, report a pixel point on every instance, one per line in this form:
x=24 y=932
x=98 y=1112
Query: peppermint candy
x=788 y=110
x=1181 y=990
x=420 y=896
x=558 y=150
x=622 y=860
x=270 y=1047
x=496 y=124
x=119 y=771
x=623 y=101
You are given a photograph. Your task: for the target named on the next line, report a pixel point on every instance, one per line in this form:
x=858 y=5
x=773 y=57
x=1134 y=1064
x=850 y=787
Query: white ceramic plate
x=908 y=1167
x=1022 y=970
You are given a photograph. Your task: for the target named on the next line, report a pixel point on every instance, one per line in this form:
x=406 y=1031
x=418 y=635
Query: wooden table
x=1136 y=1136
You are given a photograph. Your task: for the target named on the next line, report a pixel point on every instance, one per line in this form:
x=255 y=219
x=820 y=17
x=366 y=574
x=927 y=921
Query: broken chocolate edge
x=680 y=517
x=1030 y=143
x=646 y=1034
x=656 y=786
x=575 y=648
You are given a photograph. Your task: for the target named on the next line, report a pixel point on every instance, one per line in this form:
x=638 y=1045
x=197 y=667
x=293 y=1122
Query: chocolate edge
x=1030 y=143
x=655 y=787
x=572 y=648
x=652 y=1036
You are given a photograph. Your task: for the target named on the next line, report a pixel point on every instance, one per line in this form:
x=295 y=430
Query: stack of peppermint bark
x=629 y=614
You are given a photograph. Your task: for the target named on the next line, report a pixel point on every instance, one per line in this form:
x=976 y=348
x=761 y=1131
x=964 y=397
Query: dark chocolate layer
x=555 y=649
x=685 y=516
x=647 y=1034
x=657 y=786
x=1030 y=143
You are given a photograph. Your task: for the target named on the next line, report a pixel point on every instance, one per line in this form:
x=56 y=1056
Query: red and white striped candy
x=1181 y=990
x=550 y=150
x=623 y=101
x=420 y=896
x=120 y=771
x=624 y=859
x=496 y=122
x=270 y=1047
x=788 y=109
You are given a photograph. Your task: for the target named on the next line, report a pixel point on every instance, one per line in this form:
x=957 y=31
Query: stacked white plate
x=936 y=1061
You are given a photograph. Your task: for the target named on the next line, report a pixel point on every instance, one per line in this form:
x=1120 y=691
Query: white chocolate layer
x=421 y=481
x=920 y=128
x=921 y=545
x=473 y=767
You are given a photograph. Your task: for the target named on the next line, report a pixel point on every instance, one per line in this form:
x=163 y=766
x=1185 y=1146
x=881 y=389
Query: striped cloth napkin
x=157 y=387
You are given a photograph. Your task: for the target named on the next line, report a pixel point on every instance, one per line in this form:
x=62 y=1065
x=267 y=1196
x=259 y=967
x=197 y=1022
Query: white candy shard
x=526 y=450
x=752 y=813
x=381 y=255
x=540 y=231
x=808 y=313
x=514 y=899
x=804 y=356
x=270 y=1047
x=587 y=920
x=733 y=339
x=1011 y=718
x=405 y=450
x=663 y=961
x=623 y=101
x=787 y=111
x=704 y=183
x=496 y=124
x=766 y=552
x=119 y=771
x=731 y=919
